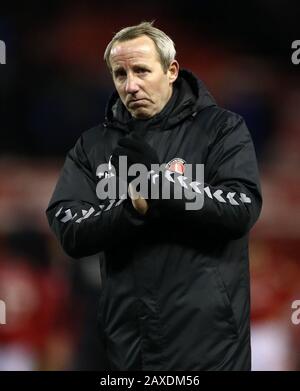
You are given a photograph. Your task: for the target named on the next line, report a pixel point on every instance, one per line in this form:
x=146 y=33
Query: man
x=175 y=281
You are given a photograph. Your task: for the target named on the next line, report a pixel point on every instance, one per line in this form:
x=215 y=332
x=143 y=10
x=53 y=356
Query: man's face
x=142 y=85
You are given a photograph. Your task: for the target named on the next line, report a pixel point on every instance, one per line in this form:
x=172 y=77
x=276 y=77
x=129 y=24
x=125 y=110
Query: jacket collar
x=189 y=97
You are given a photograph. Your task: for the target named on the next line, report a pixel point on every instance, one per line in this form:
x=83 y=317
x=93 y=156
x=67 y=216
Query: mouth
x=137 y=102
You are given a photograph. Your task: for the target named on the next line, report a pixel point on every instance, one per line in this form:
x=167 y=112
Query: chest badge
x=176 y=165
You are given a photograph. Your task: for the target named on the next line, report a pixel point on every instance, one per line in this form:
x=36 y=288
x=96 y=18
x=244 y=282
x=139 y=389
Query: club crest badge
x=176 y=165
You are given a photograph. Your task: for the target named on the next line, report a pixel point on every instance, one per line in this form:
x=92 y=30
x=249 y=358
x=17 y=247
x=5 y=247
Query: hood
x=189 y=97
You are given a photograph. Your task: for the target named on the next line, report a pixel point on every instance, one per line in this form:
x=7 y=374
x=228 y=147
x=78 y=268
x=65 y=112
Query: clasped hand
x=137 y=151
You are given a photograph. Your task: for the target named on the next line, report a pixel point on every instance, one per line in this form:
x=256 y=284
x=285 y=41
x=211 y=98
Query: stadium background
x=55 y=85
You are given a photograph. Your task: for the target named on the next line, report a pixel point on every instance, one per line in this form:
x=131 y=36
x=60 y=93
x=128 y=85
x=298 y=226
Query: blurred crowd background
x=55 y=85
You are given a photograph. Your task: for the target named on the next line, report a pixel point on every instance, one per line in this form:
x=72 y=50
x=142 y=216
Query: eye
x=142 y=70
x=119 y=73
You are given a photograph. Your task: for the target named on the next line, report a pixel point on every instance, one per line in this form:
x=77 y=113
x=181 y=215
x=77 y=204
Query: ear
x=173 y=71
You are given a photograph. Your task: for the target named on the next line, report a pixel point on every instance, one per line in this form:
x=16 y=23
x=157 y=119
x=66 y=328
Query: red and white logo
x=176 y=165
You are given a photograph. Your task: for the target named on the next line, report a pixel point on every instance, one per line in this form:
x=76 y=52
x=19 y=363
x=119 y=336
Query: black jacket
x=175 y=292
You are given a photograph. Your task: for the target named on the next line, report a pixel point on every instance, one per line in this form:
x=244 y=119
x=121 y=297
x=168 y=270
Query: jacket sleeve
x=82 y=226
x=231 y=191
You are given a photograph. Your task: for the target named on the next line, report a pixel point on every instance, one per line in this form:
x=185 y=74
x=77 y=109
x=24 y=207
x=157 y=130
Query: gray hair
x=164 y=45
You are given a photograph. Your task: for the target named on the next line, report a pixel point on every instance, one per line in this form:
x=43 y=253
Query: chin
x=141 y=114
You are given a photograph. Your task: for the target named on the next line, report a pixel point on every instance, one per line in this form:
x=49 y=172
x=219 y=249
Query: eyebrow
x=119 y=68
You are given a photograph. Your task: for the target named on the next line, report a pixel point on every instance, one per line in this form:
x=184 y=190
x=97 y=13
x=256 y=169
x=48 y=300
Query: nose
x=131 y=85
